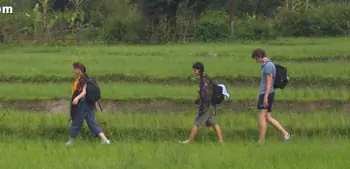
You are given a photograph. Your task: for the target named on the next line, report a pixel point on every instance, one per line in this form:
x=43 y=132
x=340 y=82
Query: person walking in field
x=267 y=95
x=206 y=115
x=81 y=109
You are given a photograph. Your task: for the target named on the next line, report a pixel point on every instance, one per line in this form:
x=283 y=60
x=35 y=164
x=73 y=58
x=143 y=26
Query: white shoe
x=184 y=142
x=287 y=137
x=105 y=142
x=69 y=143
x=260 y=143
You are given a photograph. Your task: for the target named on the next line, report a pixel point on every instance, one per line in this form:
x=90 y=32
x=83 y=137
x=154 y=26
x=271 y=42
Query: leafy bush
x=117 y=31
x=336 y=20
x=123 y=25
x=16 y=26
x=213 y=26
x=328 y=20
x=122 y=21
x=253 y=28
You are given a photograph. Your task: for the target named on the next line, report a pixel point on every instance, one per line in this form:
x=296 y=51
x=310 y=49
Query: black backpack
x=281 y=79
x=218 y=95
x=93 y=92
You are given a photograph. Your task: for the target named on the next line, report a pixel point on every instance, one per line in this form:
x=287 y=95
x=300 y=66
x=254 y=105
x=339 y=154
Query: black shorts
x=270 y=100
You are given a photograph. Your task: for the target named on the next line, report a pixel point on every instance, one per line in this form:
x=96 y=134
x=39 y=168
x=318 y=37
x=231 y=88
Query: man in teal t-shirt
x=267 y=95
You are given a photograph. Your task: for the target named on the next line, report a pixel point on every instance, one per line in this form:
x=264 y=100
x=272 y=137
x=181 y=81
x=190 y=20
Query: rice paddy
x=148 y=95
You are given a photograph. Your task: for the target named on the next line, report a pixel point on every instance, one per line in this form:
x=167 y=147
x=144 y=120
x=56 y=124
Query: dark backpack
x=93 y=92
x=218 y=95
x=281 y=79
x=93 y=95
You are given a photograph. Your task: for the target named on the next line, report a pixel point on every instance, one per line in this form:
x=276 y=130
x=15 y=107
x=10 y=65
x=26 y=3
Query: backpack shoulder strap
x=86 y=77
x=209 y=79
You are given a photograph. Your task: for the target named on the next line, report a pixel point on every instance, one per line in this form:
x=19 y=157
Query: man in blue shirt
x=267 y=95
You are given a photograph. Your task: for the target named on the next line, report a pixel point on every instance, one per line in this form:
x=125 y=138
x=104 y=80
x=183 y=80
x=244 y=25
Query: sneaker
x=287 y=137
x=69 y=143
x=260 y=143
x=105 y=142
x=184 y=142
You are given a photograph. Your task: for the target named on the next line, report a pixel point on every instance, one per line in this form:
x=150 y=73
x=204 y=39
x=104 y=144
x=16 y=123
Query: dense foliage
x=160 y=21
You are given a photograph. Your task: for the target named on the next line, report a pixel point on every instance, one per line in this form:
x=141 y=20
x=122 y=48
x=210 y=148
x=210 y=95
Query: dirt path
x=164 y=106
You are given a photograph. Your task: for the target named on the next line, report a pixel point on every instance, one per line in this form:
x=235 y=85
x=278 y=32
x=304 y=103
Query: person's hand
x=75 y=101
x=266 y=103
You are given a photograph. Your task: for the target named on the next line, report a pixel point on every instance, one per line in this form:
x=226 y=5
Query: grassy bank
x=174 y=61
x=60 y=66
x=310 y=154
x=171 y=127
x=287 y=48
x=129 y=91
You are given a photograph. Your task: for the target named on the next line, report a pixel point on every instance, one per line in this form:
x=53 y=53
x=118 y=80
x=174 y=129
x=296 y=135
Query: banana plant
x=78 y=16
x=36 y=19
x=43 y=20
x=44 y=5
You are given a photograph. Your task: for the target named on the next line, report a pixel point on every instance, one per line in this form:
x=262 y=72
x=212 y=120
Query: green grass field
x=133 y=91
x=42 y=75
x=173 y=126
x=174 y=61
x=35 y=140
x=167 y=155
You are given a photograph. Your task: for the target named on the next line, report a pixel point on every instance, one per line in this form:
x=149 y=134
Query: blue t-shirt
x=267 y=68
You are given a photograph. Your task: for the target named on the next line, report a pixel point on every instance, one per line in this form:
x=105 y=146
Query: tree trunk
x=197 y=7
x=171 y=14
x=231 y=12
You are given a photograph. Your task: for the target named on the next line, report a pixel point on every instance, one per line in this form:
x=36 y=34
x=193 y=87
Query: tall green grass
x=171 y=127
x=32 y=140
x=299 y=154
x=60 y=65
x=164 y=61
x=141 y=91
x=36 y=140
x=284 y=48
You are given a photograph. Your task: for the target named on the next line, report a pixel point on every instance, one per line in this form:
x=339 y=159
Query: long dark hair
x=200 y=67
x=79 y=66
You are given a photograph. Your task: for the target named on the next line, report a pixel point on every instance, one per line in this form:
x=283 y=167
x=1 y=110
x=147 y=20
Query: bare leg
x=217 y=129
x=102 y=136
x=194 y=131
x=277 y=125
x=262 y=126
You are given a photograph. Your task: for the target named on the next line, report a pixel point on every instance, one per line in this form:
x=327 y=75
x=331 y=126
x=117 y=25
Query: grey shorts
x=207 y=117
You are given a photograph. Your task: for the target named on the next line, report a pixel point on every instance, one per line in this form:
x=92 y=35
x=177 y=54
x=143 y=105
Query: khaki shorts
x=207 y=117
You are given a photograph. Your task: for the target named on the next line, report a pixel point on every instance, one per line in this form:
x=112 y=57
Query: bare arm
x=82 y=94
x=268 y=71
x=269 y=79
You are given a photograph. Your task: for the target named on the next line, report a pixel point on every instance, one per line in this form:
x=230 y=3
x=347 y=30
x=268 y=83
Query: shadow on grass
x=175 y=134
